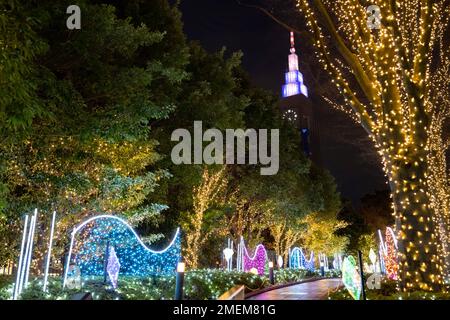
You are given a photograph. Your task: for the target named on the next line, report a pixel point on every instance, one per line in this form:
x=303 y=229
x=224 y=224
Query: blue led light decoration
x=298 y=260
x=90 y=240
x=294 y=78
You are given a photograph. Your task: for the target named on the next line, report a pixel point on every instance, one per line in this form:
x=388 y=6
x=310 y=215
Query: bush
x=5 y=280
x=389 y=291
x=211 y=283
x=291 y=275
x=333 y=273
x=198 y=285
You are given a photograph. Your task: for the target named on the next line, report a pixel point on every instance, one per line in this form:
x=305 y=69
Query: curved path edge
x=309 y=289
x=283 y=285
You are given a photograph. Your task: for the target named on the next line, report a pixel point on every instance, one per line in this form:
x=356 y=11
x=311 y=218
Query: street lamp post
x=179 y=281
x=271 y=276
x=363 y=290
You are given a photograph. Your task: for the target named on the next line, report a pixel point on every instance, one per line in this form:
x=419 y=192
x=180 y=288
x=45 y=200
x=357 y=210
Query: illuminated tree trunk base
x=420 y=265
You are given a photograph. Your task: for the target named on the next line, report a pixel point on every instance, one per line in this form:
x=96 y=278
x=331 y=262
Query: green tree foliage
x=376 y=210
x=320 y=234
x=87 y=115
x=207 y=96
x=373 y=213
x=91 y=150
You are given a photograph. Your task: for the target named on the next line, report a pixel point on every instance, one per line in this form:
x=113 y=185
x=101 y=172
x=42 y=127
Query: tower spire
x=292 y=42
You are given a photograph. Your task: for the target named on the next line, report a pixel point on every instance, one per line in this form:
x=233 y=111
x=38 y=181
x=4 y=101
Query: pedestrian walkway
x=314 y=290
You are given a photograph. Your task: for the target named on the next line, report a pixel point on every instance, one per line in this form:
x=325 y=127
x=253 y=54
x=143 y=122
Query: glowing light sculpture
x=257 y=261
x=337 y=261
x=351 y=277
x=373 y=259
x=49 y=253
x=26 y=253
x=73 y=277
x=323 y=261
x=29 y=252
x=389 y=253
x=390 y=257
x=228 y=254
x=280 y=262
x=19 y=267
x=381 y=252
x=135 y=258
x=298 y=260
x=113 y=267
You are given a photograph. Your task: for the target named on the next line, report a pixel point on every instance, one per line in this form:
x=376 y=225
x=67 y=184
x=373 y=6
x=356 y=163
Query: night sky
x=345 y=149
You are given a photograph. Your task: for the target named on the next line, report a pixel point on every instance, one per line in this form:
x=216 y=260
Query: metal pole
x=271 y=276
x=363 y=289
x=321 y=265
x=179 y=281
x=47 y=265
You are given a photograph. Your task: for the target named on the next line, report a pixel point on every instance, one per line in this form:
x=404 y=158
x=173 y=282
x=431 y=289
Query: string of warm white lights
x=399 y=94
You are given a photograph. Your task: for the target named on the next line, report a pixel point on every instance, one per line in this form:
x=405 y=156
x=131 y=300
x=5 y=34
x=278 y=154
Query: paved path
x=314 y=290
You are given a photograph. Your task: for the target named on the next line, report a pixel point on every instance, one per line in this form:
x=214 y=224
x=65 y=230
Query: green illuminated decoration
x=351 y=277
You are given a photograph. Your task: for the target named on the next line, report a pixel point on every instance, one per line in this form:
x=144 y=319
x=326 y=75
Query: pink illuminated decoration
x=256 y=261
x=294 y=78
x=390 y=258
x=389 y=253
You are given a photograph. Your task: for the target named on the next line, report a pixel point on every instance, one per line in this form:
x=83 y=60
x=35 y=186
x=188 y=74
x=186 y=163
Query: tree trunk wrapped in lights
x=209 y=192
x=284 y=238
x=395 y=82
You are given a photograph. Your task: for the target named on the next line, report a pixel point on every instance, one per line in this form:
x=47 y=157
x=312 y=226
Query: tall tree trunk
x=418 y=245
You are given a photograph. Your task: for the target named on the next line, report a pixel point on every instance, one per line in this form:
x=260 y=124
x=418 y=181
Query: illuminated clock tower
x=296 y=106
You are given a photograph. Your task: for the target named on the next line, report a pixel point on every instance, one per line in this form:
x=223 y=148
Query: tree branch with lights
x=205 y=195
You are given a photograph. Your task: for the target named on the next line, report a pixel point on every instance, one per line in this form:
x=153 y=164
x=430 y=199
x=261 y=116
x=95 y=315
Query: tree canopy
x=86 y=119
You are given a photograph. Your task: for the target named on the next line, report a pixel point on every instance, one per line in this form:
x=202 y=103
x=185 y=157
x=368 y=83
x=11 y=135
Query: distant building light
x=293 y=62
x=304 y=90
x=294 y=78
x=291 y=89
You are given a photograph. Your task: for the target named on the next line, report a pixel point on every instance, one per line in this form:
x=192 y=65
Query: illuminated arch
x=298 y=260
x=257 y=261
x=90 y=238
